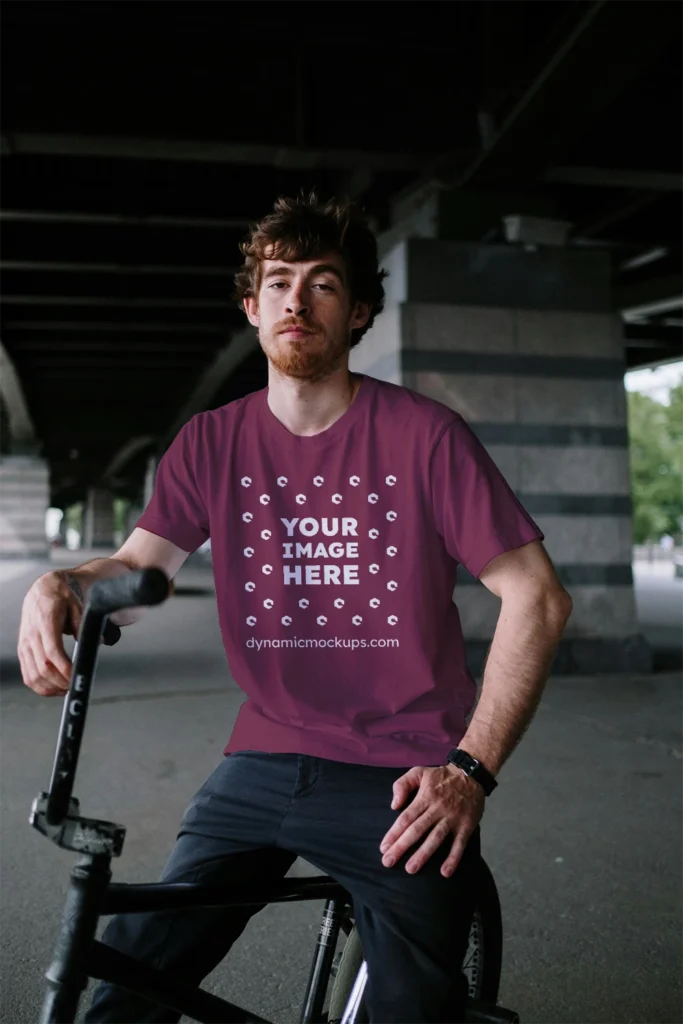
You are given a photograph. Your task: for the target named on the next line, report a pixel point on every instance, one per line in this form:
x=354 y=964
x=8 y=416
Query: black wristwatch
x=474 y=768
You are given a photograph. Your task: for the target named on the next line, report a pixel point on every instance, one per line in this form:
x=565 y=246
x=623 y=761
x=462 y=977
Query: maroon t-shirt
x=335 y=561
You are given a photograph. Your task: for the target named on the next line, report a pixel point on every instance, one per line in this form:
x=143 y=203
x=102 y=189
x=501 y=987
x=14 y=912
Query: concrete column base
x=24 y=500
x=582 y=656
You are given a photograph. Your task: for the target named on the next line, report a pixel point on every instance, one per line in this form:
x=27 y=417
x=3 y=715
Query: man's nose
x=296 y=303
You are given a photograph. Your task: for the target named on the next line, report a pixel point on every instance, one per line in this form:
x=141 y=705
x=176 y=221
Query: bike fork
x=67 y=975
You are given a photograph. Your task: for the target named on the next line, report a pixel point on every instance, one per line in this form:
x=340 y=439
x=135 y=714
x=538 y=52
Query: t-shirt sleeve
x=176 y=510
x=476 y=511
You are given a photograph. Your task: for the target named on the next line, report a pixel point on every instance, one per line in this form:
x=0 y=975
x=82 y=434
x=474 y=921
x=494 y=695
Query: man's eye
x=327 y=286
x=276 y=284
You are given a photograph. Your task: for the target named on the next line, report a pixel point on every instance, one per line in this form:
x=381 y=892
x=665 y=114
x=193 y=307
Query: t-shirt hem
x=501 y=549
x=381 y=751
x=430 y=758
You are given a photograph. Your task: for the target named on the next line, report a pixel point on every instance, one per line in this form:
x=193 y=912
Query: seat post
x=66 y=976
x=328 y=934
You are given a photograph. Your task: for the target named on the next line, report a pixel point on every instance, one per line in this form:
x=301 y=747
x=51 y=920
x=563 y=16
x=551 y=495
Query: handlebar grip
x=139 y=587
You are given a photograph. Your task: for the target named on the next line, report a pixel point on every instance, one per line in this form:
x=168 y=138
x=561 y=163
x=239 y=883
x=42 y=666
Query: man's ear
x=252 y=311
x=360 y=315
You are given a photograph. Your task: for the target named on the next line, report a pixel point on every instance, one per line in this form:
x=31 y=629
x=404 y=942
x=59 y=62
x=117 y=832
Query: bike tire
x=482 y=962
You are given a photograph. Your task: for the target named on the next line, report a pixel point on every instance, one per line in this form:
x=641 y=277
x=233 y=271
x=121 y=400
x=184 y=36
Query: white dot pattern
x=339 y=603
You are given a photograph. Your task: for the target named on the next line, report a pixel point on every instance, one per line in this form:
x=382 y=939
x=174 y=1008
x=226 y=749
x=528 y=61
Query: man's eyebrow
x=278 y=271
x=328 y=268
x=319 y=268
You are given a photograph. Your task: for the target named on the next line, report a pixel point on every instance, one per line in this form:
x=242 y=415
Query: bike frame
x=91 y=894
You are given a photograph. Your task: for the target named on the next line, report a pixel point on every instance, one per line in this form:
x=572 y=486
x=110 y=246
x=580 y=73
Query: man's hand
x=50 y=610
x=447 y=802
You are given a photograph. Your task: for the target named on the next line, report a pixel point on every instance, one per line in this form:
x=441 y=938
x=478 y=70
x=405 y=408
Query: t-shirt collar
x=279 y=432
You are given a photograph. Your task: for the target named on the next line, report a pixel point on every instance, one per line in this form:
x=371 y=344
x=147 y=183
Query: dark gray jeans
x=251 y=819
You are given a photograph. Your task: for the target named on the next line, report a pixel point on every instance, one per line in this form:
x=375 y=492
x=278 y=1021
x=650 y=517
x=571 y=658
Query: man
x=338 y=508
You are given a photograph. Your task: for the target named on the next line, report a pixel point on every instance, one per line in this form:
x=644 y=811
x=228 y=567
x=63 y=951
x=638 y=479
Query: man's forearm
x=81 y=577
x=524 y=644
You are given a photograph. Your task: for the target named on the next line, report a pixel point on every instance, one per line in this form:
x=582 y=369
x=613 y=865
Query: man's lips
x=298 y=331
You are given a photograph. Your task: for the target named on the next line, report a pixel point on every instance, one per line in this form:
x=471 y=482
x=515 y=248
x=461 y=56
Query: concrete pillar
x=134 y=513
x=150 y=476
x=24 y=500
x=98 y=519
x=524 y=344
x=138 y=506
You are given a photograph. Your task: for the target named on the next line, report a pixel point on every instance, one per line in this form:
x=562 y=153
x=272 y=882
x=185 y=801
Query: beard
x=310 y=359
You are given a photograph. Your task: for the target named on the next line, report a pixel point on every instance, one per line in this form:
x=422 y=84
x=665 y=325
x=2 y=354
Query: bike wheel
x=481 y=964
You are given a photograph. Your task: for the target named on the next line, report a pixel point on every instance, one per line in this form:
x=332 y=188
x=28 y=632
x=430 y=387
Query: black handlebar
x=132 y=589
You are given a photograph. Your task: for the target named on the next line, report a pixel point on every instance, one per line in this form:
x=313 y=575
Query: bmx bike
x=91 y=894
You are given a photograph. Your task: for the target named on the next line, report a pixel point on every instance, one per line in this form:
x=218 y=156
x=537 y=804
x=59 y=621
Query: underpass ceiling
x=139 y=141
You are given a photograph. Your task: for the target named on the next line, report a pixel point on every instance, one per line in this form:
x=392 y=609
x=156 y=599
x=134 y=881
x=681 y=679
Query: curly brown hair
x=305 y=228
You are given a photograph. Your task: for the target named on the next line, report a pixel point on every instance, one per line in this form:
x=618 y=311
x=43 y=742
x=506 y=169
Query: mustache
x=292 y=326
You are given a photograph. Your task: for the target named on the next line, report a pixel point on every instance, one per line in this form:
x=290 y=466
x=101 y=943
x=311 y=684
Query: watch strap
x=474 y=768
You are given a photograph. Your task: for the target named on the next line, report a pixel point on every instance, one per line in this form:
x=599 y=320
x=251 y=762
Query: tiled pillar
x=24 y=500
x=98 y=519
x=525 y=346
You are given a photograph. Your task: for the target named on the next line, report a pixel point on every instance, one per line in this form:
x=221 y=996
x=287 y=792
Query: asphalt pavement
x=583 y=833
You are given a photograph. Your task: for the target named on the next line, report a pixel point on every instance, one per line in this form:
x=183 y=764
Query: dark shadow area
x=10 y=672
x=667 y=659
x=193 y=591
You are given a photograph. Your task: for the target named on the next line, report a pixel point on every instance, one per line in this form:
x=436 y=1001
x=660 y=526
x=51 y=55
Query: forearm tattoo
x=74 y=585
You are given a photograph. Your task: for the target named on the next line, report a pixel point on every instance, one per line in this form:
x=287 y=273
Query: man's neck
x=306 y=409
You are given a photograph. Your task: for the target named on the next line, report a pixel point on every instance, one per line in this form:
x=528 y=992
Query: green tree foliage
x=73 y=516
x=656 y=452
